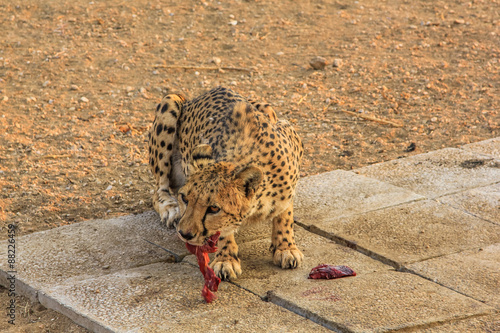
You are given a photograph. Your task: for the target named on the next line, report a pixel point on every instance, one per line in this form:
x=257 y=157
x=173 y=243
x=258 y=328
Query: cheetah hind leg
x=285 y=251
x=164 y=199
x=164 y=159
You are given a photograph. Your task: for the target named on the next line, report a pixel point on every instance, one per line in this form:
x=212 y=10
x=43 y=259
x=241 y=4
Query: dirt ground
x=79 y=81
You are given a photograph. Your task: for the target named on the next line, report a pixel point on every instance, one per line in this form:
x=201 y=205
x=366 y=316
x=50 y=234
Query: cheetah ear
x=202 y=155
x=248 y=180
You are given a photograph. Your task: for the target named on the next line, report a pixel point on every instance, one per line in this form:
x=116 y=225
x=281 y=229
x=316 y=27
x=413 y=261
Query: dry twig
x=211 y=68
x=371 y=118
x=367 y=117
x=54 y=156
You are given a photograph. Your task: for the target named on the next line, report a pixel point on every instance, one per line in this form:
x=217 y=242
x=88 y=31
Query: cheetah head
x=216 y=197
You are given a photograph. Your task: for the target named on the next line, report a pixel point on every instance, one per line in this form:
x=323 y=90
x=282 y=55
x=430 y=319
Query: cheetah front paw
x=227 y=269
x=289 y=258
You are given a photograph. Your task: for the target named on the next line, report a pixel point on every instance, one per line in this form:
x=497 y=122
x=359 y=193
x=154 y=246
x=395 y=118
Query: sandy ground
x=79 y=81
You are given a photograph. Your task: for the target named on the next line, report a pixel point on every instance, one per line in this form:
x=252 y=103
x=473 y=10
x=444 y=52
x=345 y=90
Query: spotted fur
x=220 y=161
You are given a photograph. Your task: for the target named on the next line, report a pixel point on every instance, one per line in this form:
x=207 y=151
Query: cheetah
x=219 y=161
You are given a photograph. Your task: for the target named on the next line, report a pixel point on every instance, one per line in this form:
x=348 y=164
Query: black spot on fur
x=169 y=130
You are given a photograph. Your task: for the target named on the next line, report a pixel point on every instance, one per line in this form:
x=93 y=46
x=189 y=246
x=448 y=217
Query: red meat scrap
x=201 y=253
x=330 y=272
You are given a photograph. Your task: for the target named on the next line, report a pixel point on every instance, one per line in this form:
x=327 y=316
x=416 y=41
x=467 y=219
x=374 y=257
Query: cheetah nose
x=186 y=236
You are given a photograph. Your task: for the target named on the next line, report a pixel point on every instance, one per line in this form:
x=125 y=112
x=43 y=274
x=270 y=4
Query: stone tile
x=437 y=173
x=412 y=232
x=487 y=147
x=89 y=249
x=342 y=193
x=376 y=302
x=475 y=273
x=251 y=232
x=483 y=202
x=488 y=323
x=166 y=297
x=261 y=275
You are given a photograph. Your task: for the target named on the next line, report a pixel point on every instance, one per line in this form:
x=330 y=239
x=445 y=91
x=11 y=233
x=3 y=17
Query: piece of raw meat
x=201 y=253
x=330 y=272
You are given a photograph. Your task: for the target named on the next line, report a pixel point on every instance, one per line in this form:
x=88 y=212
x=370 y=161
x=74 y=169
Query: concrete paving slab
x=343 y=193
x=437 y=173
x=260 y=274
x=412 y=232
x=251 y=232
x=166 y=297
x=105 y=275
x=486 y=324
x=377 y=302
x=487 y=147
x=88 y=249
x=483 y=202
x=475 y=273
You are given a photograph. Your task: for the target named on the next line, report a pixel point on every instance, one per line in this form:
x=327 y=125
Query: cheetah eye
x=213 y=210
x=184 y=199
